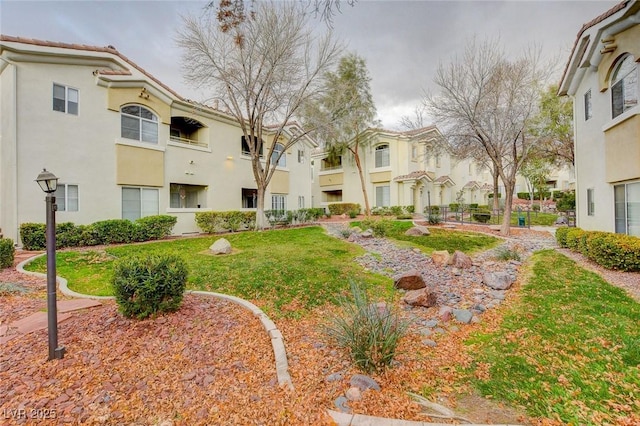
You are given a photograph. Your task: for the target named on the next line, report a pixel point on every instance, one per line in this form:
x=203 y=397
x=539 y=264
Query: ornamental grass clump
x=149 y=285
x=370 y=332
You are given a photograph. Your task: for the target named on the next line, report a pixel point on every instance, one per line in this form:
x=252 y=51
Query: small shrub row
x=613 y=251
x=401 y=212
x=148 y=285
x=344 y=208
x=212 y=222
x=113 y=231
x=536 y=195
x=482 y=216
x=293 y=217
x=7 y=252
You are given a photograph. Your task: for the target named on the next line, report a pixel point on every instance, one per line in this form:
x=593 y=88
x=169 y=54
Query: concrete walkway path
x=39 y=320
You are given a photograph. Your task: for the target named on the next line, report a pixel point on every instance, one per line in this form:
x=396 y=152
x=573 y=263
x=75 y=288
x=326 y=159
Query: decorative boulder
x=422 y=297
x=497 y=280
x=461 y=260
x=363 y=382
x=417 y=231
x=463 y=315
x=221 y=246
x=411 y=280
x=367 y=234
x=445 y=313
x=441 y=257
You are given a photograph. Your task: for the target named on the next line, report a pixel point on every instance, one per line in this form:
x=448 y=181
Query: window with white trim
x=139 y=202
x=278 y=150
x=588 y=109
x=301 y=156
x=138 y=123
x=627 y=208
x=183 y=196
x=383 y=196
x=279 y=202
x=66 y=197
x=591 y=210
x=382 y=156
x=624 y=86
x=301 y=201
x=65 y=99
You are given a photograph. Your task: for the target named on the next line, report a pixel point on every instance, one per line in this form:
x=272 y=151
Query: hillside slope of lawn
x=567 y=349
x=283 y=271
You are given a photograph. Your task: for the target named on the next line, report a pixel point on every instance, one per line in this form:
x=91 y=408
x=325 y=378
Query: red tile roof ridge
x=618 y=7
x=107 y=49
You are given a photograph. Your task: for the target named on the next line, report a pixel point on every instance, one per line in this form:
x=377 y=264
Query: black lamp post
x=49 y=182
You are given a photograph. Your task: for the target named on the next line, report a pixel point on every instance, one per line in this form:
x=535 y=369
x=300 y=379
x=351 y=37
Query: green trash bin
x=521 y=222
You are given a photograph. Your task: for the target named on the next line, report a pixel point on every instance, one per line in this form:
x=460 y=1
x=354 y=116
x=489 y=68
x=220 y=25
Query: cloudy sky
x=402 y=41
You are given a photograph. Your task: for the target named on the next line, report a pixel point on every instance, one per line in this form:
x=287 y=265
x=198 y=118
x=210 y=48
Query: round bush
x=147 y=285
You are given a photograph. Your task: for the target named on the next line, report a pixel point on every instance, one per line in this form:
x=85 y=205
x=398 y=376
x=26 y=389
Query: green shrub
x=371 y=333
x=490 y=195
x=380 y=227
x=343 y=208
x=396 y=210
x=561 y=236
x=404 y=217
x=410 y=209
x=434 y=210
x=434 y=219
x=454 y=207
x=114 y=231
x=573 y=238
x=381 y=211
x=7 y=253
x=614 y=251
x=148 y=285
x=482 y=216
x=566 y=201
x=69 y=235
x=32 y=236
x=353 y=214
x=155 y=227
x=536 y=207
x=506 y=254
x=212 y=222
x=473 y=206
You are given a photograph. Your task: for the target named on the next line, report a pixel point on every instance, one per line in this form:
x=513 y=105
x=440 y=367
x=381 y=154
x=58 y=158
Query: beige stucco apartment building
x=123 y=144
x=400 y=169
x=602 y=78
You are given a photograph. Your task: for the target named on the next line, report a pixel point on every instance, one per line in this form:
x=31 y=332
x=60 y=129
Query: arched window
x=138 y=123
x=624 y=86
x=382 y=156
x=277 y=149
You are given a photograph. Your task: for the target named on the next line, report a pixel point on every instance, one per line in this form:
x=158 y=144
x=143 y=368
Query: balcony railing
x=188 y=142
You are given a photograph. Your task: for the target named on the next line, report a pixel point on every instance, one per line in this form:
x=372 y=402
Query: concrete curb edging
x=277 y=340
x=345 y=419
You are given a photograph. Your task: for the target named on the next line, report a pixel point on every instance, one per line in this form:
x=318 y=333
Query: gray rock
x=341 y=404
x=461 y=260
x=417 y=231
x=367 y=234
x=353 y=394
x=363 y=382
x=221 y=246
x=498 y=294
x=334 y=377
x=431 y=323
x=423 y=297
x=462 y=315
x=429 y=342
x=498 y=280
x=411 y=280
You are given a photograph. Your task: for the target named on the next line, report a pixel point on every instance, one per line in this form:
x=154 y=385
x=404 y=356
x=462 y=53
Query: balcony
x=187 y=131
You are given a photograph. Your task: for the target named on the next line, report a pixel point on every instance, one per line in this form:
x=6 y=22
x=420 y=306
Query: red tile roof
x=593 y=22
x=413 y=176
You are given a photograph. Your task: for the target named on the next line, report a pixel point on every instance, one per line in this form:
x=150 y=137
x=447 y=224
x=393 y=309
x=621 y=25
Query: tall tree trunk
x=356 y=157
x=508 y=200
x=260 y=217
x=496 y=191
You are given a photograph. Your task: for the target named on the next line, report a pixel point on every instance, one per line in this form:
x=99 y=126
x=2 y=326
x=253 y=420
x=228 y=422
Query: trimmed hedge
x=103 y=232
x=613 y=251
x=343 y=208
x=7 y=253
x=482 y=216
x=148 y=285
x=212 y=222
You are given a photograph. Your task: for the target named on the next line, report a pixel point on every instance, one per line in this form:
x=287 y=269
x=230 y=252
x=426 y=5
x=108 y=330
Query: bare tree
x=262 y=70
x=486 y=102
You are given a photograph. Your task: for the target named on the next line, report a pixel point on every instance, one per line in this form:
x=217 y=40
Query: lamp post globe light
x=49 y=183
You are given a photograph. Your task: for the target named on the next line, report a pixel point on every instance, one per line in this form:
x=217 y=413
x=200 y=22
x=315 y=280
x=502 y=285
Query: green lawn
x=284 y=271
x=569 y=349
x=440 y=239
